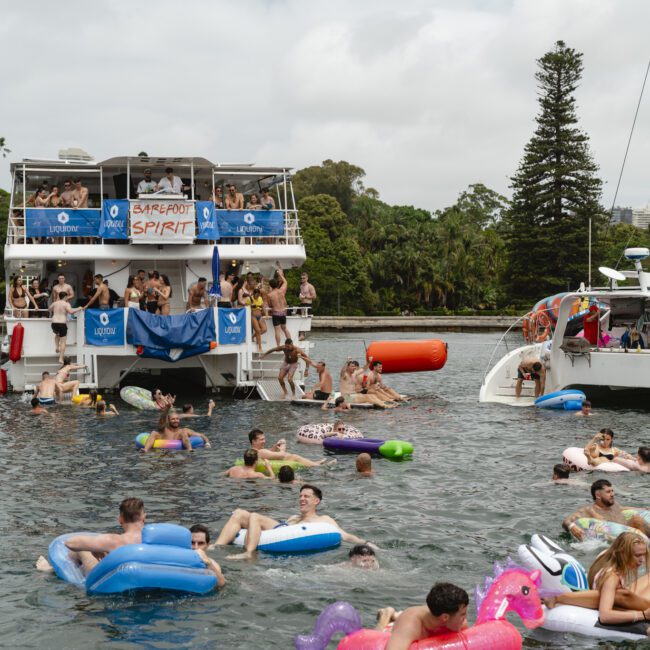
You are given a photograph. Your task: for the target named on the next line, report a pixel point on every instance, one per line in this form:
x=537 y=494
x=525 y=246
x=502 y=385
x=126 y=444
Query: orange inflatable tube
x=409 y=356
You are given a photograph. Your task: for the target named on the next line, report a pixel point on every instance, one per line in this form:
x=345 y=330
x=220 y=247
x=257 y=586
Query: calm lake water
x=478 y=486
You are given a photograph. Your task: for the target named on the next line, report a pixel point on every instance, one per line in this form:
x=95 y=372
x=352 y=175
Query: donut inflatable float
x=314 y=434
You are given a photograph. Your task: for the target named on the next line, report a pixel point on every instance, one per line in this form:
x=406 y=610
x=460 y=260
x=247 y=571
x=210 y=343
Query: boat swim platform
x=415 y=323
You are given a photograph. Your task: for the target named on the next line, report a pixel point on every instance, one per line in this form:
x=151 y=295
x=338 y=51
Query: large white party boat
x=606 y=370
x=183 y=233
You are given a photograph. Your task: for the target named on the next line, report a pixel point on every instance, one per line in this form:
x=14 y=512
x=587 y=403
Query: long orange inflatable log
x=409 y=356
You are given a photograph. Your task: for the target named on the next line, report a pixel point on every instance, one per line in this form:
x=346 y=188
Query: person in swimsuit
x=278 y=301
x=60 y=310
x=256 y=303
x=533 y=368
x=101 y=295
x=200 y=543
x=151 y=286
x=132 y=294
x=103 y=409
x=604 y=507
x=164 y=293
x=197 y=296
x=41 y=299
x=18 y=297
x=163 y=402
x=278 y=451
x=362 y=557
x=169 y=428
x=446 y=610
x=290 y=364
x=255 y=523
x=348 y=386
x=377 y=387
x=234 y=199
x=615 y=588
x=63 y=385
x=323 y=389
x=188 y=410
x=600 y=450
x=247 y=470
x=46 y=390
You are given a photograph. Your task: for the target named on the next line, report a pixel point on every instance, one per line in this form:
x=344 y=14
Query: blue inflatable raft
x=569 y=400
x=164 y=560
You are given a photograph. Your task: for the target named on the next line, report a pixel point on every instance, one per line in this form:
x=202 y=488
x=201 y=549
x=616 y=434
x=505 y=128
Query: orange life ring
x=536 y=326
x=528 y=325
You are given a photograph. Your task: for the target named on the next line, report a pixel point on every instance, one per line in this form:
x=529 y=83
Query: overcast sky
x=428 y=96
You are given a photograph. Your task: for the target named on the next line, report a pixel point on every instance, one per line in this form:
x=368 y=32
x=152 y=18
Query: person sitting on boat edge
x=376 y=383
x=278 y=451
x=323 y=389
x=247 y=470
x=445 y=609
x=348 y=386
x=169 y=429
x=200 y=543
x=88 y=550
x=615 y=588
x=604 y=507
x=255 y=523
x=531 y=368
x=340 y=404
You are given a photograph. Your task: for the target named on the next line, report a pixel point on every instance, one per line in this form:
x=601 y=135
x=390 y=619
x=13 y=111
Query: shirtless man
x=226 y=287
x=363 y=464
x=79 y=194
x=169 y=428
x=37 y=409
x=307 y=293
x=234 y=199
x=60 y=286
x=377 y=386
x=197 y=296
x=152 y=288
x=66 y=195
x=200 y=542
x=604 y=507
x=446 y=610
x=88 y=550
x=340 y=405
x=254 y=523
x=535 y=368
x=290 y=364
x=46 y=390
x=323 y=389
x=63 y=385
x=278 y=451
x=348 y=386
x=101 y=295
x=188 y=410
x=278 y=301
x=247 y=470
x=60 y=309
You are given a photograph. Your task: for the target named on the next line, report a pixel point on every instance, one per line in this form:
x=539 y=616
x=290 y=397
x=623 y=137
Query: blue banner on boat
x=104 y=326
x=250 y=223
x=192 y=333
x=232 y=326
x=206 y=221
x=61 y=222
x=114 y=223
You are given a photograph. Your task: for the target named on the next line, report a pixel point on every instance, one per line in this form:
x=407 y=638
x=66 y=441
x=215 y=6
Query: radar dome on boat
x=636 y=253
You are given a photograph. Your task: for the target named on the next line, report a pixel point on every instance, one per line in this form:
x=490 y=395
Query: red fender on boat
x=409 y=356
x=3 y=382
x=16 y=347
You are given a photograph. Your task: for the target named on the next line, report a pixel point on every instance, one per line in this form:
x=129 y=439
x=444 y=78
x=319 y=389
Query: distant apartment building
x=641 y=217
x=622 y=215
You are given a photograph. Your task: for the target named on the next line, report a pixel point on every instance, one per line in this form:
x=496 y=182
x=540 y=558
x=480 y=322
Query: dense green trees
x=555 y=190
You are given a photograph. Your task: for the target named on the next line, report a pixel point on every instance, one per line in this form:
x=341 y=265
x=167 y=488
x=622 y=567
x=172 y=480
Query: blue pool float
x=569 y=400
x=164 y=560
x=295 y=538
x=176 y=445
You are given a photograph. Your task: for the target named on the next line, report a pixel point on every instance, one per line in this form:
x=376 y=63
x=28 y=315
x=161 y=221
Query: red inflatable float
x=16 y=347
x=409 y=356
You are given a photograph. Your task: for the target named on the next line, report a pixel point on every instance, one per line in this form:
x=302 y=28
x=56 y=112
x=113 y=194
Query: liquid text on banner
x=58 y=222
x=104 y=326
x=115 y=215
x=252 y=223
x=232 y=326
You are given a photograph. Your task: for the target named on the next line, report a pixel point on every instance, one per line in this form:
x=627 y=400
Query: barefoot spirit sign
x=170 y=221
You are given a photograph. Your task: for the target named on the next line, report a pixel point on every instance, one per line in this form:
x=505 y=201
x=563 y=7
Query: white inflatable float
x=563 y=573
x=295 y=538
x=576 y=459
x=314 y=434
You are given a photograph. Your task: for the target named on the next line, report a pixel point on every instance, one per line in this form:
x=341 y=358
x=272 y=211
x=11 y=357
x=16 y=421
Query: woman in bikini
x=18 y=298
x=256 y=303
x=164 y=293
x=132 y=295
x=600 y=450
x=616 y=590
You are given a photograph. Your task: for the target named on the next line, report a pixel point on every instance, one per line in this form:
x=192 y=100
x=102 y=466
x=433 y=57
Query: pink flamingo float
x=512 y=589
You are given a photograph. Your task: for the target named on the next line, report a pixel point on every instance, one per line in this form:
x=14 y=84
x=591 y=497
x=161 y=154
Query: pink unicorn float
x=511 y=589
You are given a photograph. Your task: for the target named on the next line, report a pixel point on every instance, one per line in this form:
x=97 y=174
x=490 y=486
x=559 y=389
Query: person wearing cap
x=147 y=185
x=170 y=183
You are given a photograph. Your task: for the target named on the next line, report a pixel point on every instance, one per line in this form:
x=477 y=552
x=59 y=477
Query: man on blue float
x=169 y=428
x=253 y=522
x=88 y=550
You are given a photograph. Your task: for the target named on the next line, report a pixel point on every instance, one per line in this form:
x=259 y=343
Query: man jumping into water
x=255 y=523
x=604 y=507
x=278 y=451
x=88 y=550
x=290 y=364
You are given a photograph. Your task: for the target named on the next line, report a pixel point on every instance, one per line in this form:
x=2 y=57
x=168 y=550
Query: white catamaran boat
x=183 y=233
x=606 y=370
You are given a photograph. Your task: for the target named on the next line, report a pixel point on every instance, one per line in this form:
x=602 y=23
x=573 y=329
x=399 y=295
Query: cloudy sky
x=428 y=96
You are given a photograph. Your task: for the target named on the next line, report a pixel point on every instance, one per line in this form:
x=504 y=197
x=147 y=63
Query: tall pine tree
x=555 y=189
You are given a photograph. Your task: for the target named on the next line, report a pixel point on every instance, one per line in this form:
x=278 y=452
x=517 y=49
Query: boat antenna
x=627 y=149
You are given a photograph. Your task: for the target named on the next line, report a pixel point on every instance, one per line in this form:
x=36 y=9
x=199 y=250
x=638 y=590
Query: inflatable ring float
x=275 y=465
x=83 y=399
x=138 y=397
x=395 y=449
x=295 y=538
x=314 y=434
x=141 y=441
x=576 y=459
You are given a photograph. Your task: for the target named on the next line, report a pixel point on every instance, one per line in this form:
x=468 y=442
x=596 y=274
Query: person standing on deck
x=278 y=301
x=60 y=309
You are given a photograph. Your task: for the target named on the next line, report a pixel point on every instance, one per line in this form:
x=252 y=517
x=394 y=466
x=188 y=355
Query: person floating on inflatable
x=255 y=523
x=278 y=451
x=247 y=470
x=169 y=429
